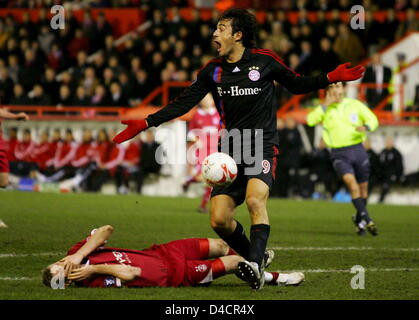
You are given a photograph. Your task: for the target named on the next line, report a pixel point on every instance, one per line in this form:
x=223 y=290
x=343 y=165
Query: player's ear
x=238 y=36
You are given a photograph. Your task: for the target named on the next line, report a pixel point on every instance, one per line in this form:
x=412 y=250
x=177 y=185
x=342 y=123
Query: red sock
x=206 y=197
x=231 y=252
x=275 y=276
x=218 y=268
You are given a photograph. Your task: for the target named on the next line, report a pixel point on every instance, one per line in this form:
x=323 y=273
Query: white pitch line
x=348 y=270
x=20 y=255
x=16 y=278
x=282 y=271
x=341 y=249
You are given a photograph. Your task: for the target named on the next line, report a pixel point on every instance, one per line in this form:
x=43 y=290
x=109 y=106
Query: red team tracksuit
x=208 y=123
x=174 y=264
x=24 y=151
x=44 y=153
x=115 y=157
x=4 y=163
x=65 y=154
x=84 y=154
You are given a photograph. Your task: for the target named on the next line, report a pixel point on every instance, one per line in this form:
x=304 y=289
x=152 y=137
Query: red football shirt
x=43 y=153
x=84 y=154
x=154 y=268
x=204 y=126
x=10 y=146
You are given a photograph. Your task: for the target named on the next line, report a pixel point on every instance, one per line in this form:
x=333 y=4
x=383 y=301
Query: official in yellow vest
x=345 y=124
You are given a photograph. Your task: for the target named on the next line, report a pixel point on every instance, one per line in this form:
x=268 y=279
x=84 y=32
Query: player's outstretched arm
x=298 y=84
x=121 y=271
x=189 y=98
x=4 y=114
x=133 y=128
x=344 y=73
x=98 y=238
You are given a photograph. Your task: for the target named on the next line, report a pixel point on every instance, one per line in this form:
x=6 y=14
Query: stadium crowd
x=81 y=66
x=53 y=156
x=275 y=4
x=50 y=156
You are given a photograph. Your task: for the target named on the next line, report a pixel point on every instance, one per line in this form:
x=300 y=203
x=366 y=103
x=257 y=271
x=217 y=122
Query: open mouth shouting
x=218 y=46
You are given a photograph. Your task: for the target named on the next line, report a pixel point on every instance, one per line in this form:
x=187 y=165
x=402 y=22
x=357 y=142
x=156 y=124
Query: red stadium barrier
x=70 y=113
x=121 y=20
x=127 y=19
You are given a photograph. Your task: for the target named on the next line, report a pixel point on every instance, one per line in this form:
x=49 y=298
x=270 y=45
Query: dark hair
x=47 y=276
x=242 y=20
x=331 y=85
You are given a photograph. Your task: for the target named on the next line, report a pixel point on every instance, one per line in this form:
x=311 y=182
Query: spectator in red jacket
x=129 y=166
x=11 y=144
x=43 y=151
x=113 y=166
x=83 y=161
x=24 y=155
x=64 y=154
x=66 y=151
x=101 y=155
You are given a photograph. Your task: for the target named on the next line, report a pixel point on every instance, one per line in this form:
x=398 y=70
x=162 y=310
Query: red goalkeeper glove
x=134 y=128
x=344 y=73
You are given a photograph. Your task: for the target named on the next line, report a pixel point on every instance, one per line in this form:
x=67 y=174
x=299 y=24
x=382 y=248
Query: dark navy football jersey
x=243 y=91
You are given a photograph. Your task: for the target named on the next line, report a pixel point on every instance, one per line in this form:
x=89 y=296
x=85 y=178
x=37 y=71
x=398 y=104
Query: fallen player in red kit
x=187 y=262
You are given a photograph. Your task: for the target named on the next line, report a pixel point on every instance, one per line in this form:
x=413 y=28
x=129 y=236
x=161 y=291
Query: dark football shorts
x=352 y=159
x=266 y=172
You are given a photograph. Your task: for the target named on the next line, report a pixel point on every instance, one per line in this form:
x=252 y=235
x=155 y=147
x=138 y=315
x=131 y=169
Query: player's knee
x=354 y=188
x=218 y=222
x=221 y=246
x=220 y=218
x=255 y=204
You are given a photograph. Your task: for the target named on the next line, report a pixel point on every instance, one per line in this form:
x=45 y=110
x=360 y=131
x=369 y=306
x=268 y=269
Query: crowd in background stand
x=86 y=165
x=55 y=156
x=41 y=66
x=286 y=5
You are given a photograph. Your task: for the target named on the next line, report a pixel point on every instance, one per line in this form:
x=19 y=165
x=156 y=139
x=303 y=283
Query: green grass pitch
x=317 y=237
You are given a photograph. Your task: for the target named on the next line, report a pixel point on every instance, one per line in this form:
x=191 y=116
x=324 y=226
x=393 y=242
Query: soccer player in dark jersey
x=241 y=81
x=187 y=262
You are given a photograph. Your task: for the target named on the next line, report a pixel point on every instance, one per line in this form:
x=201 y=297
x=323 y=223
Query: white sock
x=283 y=277
x=268 y=276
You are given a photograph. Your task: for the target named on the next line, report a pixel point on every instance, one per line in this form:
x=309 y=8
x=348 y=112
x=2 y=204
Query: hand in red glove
x=344 y=73
x=134 y=128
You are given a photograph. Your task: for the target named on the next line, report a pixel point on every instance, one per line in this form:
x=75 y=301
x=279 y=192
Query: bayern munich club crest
x=254 y=73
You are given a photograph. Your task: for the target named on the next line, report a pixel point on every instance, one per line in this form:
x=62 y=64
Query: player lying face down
x=187 y=262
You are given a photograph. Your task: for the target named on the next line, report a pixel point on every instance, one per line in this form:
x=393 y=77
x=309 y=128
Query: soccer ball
x=219 y=169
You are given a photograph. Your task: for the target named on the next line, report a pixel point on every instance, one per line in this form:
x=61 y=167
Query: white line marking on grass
x=39 y=254
x=20 y=255
x=16 y=278
x=282 y=271
x=349 y=270
x=341 y=249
